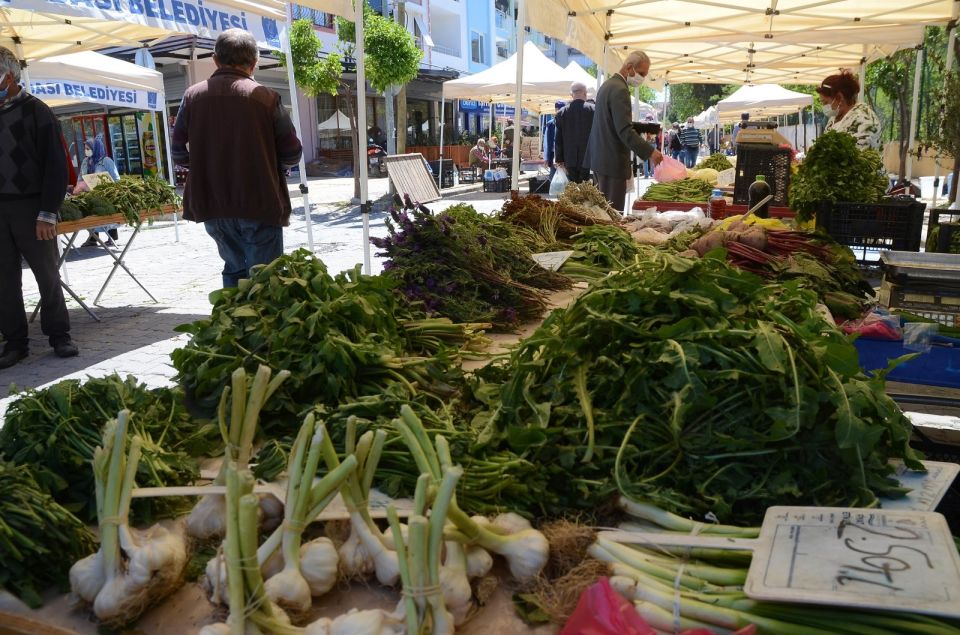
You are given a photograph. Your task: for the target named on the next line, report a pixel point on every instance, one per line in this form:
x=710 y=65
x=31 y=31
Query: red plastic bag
x=603 y=611
x=669 y=170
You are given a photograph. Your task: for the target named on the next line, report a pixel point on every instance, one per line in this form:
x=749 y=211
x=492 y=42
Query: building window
x=478 y=47
x=502 y=49
x=315 y=17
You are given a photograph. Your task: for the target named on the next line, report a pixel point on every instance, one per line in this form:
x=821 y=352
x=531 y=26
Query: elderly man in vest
x=238 y=141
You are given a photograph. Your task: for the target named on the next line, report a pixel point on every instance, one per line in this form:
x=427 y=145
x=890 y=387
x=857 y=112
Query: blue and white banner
x=196 y=17
x=94 y=93
x=483 y=108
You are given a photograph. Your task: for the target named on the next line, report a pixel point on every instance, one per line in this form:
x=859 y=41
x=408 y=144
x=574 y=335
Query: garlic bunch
x=133 y=569
x=307 y=569
x=207 y=518
x=371 y=622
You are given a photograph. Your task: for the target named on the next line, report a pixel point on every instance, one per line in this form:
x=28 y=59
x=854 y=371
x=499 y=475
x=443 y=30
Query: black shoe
x=91 y=242
x=11 y=356
x=65 y=348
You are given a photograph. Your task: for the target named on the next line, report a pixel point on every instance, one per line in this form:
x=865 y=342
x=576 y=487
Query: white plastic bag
x=559 y=182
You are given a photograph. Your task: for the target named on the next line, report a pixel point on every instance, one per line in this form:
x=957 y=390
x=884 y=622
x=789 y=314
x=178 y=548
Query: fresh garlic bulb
x=479 y=562
x=355 y=561
x=319 y=563
x=87 y=577
x=207 y=519
x=510 y=523
x=289 y=589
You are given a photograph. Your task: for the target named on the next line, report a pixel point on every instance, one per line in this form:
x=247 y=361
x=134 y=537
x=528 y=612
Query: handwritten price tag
x=872 y=558
x=552 y=260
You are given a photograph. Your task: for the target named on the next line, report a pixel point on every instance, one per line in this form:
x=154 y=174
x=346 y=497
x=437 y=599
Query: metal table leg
x=118 y=262
x=62 y=258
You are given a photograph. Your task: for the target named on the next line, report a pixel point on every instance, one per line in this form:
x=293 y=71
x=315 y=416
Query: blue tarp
x=940 y=366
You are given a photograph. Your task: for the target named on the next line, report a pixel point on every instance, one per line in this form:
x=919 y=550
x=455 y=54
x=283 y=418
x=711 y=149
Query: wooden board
x=408 y=173
x=71 y=226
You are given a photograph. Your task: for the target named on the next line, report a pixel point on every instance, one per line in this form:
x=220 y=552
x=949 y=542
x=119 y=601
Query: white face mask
x=829 y=110
x=636 y=80
x=87 y=152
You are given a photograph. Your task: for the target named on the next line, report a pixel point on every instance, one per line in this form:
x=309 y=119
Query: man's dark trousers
x=18 y=238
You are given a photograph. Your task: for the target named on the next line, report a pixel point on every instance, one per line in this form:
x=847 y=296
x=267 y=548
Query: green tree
x=947 y=136
x=689 y=100
x=893 y=75
x=314 y=73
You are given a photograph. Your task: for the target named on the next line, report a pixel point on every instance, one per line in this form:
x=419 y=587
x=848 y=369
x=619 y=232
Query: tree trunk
x=904 y=134
x=358 y=150
x=953 y=182
x=402 y=120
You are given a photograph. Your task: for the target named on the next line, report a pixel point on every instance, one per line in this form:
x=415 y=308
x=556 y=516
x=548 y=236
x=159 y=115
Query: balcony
x=505 y=23
x=446 y=50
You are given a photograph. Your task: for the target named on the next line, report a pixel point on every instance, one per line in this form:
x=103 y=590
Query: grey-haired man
x=574 y=123
x=613 y=137
x=33 y=183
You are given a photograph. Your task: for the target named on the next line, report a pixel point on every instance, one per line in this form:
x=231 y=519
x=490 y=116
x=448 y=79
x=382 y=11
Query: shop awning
x=94 y=78
x=577 y=74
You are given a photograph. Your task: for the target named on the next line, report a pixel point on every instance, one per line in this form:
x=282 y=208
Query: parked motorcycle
x=375 y=156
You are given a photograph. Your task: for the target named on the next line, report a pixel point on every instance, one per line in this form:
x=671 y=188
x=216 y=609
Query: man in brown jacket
x=237 y=139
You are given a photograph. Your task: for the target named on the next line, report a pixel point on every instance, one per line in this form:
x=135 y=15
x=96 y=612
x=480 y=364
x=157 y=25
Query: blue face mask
x=4 y=91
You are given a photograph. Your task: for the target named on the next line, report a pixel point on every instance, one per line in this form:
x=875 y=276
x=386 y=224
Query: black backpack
x=675 y=141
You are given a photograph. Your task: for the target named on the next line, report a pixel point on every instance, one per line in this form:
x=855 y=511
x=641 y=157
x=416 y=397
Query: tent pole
x=915 y=104
x=796 y=131
x=443 y=112
x=365 y=205
x=863 y=74
x=171 y=175
x=518 y=100
x=951 y=40
x=294 y=101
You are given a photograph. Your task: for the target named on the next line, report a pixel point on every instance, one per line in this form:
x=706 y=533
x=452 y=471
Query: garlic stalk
x=206 y=520
x=526 y=551
x=366 y=543
x=290 y=588
x=132 y=569
x=250 y=609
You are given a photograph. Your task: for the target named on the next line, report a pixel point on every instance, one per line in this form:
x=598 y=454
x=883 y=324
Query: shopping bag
x=559 y=182
x=603 y=611
x=669 y=170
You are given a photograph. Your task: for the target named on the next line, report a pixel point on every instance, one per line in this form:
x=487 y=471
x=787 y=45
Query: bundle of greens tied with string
x=699 y=388
x=465 y=266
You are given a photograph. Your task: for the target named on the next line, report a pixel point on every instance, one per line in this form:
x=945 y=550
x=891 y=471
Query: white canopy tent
x=527 y=79
x=761 y=100
x=40 y=28
x=577 y=74
x=334 y=125
x=544 y=82
x=709 y=118
x=806 y=35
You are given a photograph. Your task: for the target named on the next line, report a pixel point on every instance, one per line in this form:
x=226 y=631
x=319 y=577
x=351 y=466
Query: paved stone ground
x=135 y=336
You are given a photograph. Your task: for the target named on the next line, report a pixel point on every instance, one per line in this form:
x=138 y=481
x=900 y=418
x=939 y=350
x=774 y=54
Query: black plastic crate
x=892 y=225
x=501 y=185
x=938 y=217
x=772 y=162
x=945 y=241
x=539 y=185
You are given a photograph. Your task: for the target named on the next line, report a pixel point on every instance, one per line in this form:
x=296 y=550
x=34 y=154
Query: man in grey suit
x=612 y=136
x=573 y=130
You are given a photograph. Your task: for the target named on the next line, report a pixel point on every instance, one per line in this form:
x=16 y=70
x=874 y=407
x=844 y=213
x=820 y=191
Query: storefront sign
x=196 y=17
x=95 y=93
x=501 y=110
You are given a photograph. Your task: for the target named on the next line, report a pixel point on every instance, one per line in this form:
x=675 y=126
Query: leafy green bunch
x=39 y=539
x=835 y=169
x=54 y=431
x=700 y=388
x=341 y=337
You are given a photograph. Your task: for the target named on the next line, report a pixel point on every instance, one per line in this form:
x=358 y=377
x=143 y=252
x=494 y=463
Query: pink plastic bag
x=669 y=170
x=603 y=611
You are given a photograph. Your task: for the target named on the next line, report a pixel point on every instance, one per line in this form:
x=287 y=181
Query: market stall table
x=73 y=228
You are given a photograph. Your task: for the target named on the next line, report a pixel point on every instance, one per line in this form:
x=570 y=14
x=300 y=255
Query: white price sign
x=872 y=558
x=552 y=260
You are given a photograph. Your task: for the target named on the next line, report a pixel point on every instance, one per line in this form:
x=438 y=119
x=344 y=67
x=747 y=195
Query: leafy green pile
x=466 y=266
x=85 y=204
x=598 y=250
x=688 y=190
x=341 y=337
x=134 y=194
x=39 y=539
x=54 y=431
x=718 y=162
x=700 y=388
x=835 y=169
